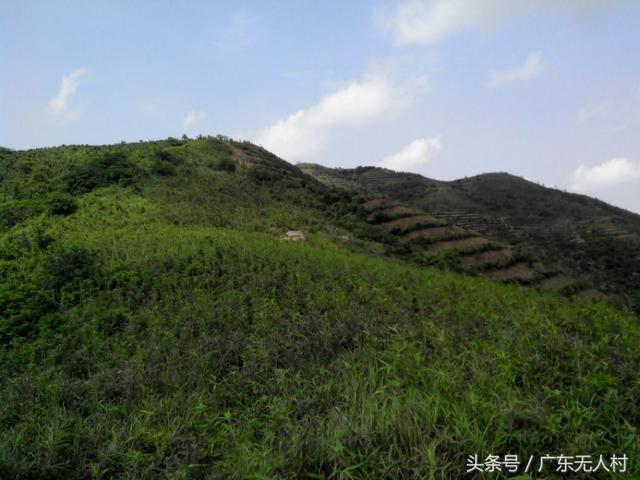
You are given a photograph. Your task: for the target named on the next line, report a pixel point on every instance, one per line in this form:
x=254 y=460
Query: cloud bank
x=309 y=131
x=60 y=105
x=430 y=21
x=532 y=67
x=414 y=156
x=609 y=174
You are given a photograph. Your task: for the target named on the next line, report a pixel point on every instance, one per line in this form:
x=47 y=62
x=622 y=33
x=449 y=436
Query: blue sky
x=545 y=89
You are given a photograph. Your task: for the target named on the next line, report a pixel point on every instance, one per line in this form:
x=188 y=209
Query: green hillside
x=154 y=324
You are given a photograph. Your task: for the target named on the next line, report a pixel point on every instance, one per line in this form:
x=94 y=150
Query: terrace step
x=392 y=213
x=519 y=272
x=378 y=204
x=435 y=234
x=590 y=294
x=465 y=245
x=556 y=283
x=492 y=258
x=409 y=224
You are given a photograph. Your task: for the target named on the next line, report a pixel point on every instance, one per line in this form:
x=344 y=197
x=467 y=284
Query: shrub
x=22 y=305
x=443 y=260
x=68 y=267
x=16 y=211
x=225 y=164
x=174 y=142
x=167 y=156
x=110 y=168
x=163 y=167
x=112 y=321
x=375 y=233
x=61 y=203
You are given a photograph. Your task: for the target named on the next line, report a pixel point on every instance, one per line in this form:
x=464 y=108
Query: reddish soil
x=463 y=245
x=519 y=271
x=556 y=283
x=434 y=233
x=406 y=223
x=492 y=257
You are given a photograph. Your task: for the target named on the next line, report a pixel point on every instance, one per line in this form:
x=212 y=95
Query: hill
x=154 y=324
x=575 y=235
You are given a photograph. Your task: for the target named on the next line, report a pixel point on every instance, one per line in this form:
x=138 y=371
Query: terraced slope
x=477 y=254
x=581 y=236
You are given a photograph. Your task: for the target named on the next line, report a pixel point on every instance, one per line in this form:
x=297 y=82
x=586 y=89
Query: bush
x=69 y=267
x=60 y=203
x=22 y=305
x=163 y=167
x=174 y=142
x=110 y=168
x=167 y=156
x=375 y=233
x=225 y=165
x=16 y=211
x=443 y=260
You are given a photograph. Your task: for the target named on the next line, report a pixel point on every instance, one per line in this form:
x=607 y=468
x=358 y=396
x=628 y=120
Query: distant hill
x=157 y=322
x=583 y=236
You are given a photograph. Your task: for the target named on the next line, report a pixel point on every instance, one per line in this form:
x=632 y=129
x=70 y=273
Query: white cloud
x=191 y=120
x=429 y=21
x=593 y=110
x=59 y=105
x=532 y=66
x=310 y=130
x=414 y=156
x=609 y=174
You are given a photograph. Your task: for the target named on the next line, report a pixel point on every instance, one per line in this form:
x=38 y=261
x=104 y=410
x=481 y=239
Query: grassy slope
x=187 y=341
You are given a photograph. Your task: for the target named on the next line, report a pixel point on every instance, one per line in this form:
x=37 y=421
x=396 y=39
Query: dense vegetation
x=153 y=325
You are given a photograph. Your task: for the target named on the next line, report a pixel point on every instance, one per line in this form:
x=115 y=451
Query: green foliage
x=23 y=306
x=225 y=164
x=24 y=241
x=375 y=233
x=237 y=355
x=68 y=267
x=445 y=260
x=13 y=212
x=167 y=332
x=167 y=156
x=163 y=167
x=61 y=203
x=174 y=142
x=109 y=168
